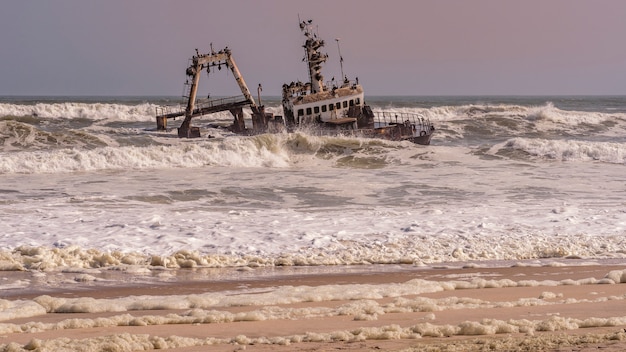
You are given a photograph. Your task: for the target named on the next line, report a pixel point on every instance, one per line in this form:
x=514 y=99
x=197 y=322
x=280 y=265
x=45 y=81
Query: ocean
x=116 y=236
x=88 y=182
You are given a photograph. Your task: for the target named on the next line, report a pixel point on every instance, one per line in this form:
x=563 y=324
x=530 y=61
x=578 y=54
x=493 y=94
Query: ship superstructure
x=316 y=101
x=340 y=105
x=325 y=107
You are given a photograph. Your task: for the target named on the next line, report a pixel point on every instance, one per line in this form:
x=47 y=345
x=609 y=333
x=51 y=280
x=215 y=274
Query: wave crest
x=571 y=150
x=91 y=111
x=15 y=135
x=242 y=152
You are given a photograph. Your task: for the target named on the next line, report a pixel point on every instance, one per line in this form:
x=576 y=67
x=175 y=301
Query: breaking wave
x=445 y=117
x=17 y=135
x=80 y=151
x=230 y=152
x=74 y=110
x=571 y=150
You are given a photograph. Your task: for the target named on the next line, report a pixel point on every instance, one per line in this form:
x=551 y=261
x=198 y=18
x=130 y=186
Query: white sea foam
x=547 y=112
x=143 y=342
x=428 y=208
x=550 y=113
x=90 y=152
x=147 y=111
x=361 y=297
x=571 y=150
x=75 y=110
x=144 y=112
x=236 y=151
x=10 y=310
x=358 y=302
x=149 y=199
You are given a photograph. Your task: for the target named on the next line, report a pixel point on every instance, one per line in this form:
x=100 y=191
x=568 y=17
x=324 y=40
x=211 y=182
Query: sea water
x=88 y=182
x=88 y=187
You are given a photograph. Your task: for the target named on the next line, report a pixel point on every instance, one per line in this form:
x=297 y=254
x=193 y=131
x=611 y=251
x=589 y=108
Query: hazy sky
x=395 y=47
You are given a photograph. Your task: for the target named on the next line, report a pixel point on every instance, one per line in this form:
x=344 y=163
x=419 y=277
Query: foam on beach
x=145 y=342
x=362 y=302
x=284 y=295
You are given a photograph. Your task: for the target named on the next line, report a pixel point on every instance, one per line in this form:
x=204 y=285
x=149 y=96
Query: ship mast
x=314 y=58
x=340 y=59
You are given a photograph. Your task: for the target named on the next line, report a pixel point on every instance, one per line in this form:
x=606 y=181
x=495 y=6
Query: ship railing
x=170 y=110
x=213 y=103
x=388 y=118
x=200 y=105
x=333 y=84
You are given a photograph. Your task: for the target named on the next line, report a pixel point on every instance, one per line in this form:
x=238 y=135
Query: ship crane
x=234 y=104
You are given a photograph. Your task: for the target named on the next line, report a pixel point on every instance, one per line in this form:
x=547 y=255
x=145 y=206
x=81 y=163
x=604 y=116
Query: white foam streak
x=360 y=301
x=551 y=113
x=10 y=310
x=144 y=342
x=571 y=150
x=147 y=111
x=361 y=298
x=91 y=111
x=241 y=152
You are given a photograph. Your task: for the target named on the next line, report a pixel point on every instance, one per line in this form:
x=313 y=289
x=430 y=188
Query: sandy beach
x=553 y=307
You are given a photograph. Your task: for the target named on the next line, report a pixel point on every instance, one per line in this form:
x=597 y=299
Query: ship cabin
x=328 y=107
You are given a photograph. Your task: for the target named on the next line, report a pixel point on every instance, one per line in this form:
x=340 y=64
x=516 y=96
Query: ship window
x=308 y=111
x=351 y=102
x=331 y=107
x=324 y=108
x=300 y=112
x=345 y=104
x=316 y=109
x=338 y=105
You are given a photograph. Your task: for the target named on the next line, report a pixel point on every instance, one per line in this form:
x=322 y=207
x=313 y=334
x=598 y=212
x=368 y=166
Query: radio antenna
x=343 y=77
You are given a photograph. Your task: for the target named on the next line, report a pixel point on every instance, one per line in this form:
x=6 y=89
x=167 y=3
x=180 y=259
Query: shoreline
x=104 y=282
x=392 y=308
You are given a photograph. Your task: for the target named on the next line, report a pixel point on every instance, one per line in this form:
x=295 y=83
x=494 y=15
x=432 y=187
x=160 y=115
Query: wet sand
x=543 y=308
